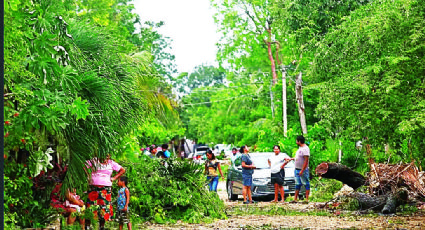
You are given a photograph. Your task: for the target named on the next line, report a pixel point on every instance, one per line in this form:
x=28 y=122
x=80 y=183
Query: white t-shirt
x=299 y=157
x=233 y=158
x=276 y=162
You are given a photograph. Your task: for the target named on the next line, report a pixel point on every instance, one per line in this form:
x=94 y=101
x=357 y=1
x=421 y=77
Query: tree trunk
x=284 y=115
x=269 y=51
x=394 y=200
x=300 y=102
x=386 y=203
x=367 y=201
x=271 y=101
x=342 y=173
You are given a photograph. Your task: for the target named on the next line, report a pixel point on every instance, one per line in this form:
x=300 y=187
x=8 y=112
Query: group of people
x=99 y=194
x=101 y=179
x=277 y=164
x=157 y=151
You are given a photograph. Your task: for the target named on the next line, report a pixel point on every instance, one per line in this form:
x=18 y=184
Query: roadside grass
x=407 y=209
x=273 y=210
x=267 y=227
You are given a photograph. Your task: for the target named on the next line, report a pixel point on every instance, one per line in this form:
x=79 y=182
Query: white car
x=223 y=147
x=261 y=179
x=200 y=154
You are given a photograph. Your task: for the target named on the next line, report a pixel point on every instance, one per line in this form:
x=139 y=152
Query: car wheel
x=230 y=194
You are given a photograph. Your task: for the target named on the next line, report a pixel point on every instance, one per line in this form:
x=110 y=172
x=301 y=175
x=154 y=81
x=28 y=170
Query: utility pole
x=300 y=102
x=284 y=106
x=271 y=98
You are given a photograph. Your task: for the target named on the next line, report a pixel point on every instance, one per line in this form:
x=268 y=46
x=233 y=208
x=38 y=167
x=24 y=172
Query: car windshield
x=260 y=161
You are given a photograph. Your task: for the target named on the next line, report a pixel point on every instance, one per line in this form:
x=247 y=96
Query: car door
x=238 y=183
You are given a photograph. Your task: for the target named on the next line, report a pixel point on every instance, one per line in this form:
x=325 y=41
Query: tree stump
x=342 y=173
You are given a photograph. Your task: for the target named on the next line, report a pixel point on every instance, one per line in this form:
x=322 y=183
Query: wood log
x=367 y=201
x=394 y=200
x=386 y=203
x=342 y=173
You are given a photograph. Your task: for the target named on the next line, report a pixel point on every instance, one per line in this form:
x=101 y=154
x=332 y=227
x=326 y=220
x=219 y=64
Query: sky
x=190 y=25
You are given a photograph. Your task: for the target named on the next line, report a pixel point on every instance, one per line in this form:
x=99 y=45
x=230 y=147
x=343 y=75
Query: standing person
x=100 y=187
x=247 y=171
x=122 y=203
x=167 y=153
x=211 y=166
x=277 y=164
x=235 y=158
x=153 y=151
x=302 y=173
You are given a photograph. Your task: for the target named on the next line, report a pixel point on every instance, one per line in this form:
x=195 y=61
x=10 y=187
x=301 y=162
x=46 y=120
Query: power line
x=209 y=102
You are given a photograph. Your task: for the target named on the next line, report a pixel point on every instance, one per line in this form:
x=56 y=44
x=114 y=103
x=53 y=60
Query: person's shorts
x=278 y=178
x=247 y=180
x=123 y=217
x=303 y=179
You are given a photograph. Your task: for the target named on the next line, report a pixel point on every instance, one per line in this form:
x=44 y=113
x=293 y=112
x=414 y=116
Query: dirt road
x=336 y=221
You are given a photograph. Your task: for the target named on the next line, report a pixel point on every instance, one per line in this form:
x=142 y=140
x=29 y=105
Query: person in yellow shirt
x=211 y=167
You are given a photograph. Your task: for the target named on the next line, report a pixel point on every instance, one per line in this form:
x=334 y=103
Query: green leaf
x=80 y=108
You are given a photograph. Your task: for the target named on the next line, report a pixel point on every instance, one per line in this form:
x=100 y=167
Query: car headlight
x=260 y=180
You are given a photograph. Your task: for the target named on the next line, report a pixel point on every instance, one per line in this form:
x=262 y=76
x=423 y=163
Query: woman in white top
x=277 y=164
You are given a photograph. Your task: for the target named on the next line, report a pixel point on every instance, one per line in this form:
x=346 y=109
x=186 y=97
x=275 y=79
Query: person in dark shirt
x=247 y=171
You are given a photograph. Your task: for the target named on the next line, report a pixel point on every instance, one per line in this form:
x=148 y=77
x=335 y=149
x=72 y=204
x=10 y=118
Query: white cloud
x=189 y=23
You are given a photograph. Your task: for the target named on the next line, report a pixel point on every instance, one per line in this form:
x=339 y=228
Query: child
x=123 y=200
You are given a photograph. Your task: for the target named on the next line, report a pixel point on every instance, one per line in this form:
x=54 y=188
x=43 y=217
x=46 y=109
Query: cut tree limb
x=386 y=203
x=342 y=173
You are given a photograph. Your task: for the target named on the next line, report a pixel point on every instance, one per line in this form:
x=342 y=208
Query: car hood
x=266 y=172
x=261 y=173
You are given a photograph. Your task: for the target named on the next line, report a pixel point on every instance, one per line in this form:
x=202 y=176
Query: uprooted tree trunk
x=342 y=173
x=386 y=203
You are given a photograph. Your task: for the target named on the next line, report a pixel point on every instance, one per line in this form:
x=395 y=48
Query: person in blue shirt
x=167 y=153
x=122 y=201
x=247 y=171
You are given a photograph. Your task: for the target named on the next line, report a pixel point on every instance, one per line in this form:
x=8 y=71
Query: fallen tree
x=385 y=203
x=384 y=178
x=342 y=173
x=389 y=185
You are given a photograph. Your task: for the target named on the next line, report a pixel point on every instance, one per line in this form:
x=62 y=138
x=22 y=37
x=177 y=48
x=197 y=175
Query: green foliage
x=74 y=84
x=354 y=158
x=375 y=90
x=307 y=21
x=324 y=189
x=243 y=25
x=184 y=194
x=201 y=76
x=22 y=207
x=407 y=209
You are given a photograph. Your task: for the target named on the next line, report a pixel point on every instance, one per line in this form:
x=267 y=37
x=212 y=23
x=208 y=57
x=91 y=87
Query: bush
x=169 y=190
x=323 y=190
x=23 y=207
